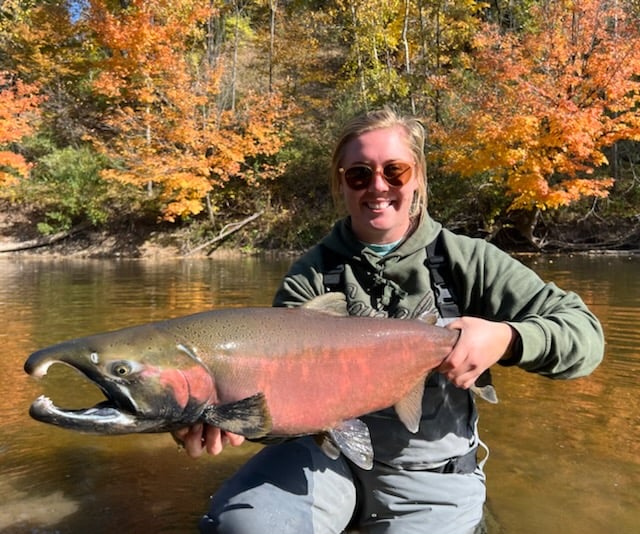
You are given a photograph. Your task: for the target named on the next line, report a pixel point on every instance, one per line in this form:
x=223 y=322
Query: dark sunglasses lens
x=358 y=177
x=397 y=174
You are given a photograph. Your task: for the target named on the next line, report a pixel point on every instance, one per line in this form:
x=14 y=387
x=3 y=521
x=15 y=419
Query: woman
x=429 y=481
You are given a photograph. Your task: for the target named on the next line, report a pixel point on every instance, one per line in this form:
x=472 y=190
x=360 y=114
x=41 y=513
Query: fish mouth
x=115 y=415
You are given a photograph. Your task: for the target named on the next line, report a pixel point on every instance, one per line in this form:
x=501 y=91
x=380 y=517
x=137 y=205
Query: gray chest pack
x=444 y=293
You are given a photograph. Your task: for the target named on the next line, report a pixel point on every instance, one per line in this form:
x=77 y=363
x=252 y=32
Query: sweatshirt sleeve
x=559 y=336
x=303 y=281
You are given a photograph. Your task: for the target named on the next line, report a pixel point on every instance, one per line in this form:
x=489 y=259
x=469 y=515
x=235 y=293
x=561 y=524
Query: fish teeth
x=42 y=369
x=44 y=400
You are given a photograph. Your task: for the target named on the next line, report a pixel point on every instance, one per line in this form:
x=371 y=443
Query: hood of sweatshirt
x=387 y=275
x=342 y=241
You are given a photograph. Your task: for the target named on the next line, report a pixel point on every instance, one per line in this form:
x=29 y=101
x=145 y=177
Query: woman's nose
x=378 y=183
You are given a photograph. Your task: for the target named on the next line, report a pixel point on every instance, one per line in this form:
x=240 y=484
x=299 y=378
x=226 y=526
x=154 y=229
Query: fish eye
x=121 y=369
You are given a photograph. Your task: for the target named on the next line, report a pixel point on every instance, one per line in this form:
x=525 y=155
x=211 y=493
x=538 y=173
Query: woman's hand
x=481 y=344
x=200 y=437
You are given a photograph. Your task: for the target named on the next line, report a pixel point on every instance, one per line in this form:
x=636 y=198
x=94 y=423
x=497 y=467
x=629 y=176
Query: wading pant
x=294 y=488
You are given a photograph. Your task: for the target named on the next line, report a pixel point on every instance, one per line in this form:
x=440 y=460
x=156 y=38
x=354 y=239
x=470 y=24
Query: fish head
x=151 y=381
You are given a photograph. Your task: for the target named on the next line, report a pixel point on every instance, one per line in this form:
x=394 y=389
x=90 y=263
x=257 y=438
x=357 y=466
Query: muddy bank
x=19 y=236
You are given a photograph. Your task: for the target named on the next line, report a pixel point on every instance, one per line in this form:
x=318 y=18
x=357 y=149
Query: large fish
x=253 y=371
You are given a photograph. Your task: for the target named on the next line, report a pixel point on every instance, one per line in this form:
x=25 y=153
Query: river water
x=565 y=456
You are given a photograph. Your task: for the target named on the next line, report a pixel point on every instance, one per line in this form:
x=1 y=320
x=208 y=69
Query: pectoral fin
x=352 y=439
x=484 y=389
x=409 y=409
x=487 y=393
x=248 y=417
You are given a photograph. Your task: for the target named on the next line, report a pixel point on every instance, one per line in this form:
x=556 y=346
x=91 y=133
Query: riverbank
x=19 y=237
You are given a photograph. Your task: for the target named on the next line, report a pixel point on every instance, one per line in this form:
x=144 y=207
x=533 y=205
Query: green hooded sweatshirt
x=559 y=336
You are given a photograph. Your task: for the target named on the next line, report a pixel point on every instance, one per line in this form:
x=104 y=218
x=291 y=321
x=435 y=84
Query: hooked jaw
x=95 y=419
x=115 y=415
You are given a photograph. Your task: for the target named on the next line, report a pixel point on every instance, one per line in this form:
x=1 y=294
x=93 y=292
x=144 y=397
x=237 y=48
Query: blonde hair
x=376 y=120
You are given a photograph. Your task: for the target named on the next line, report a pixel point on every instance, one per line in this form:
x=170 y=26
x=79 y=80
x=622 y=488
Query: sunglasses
x=358 y=177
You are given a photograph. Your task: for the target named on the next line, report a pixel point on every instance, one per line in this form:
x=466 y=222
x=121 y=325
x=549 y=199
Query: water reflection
x=564 y=455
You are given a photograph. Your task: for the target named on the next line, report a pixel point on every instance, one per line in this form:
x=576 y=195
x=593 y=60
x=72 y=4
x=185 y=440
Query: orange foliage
x=170 y=137
x=40 y=41
x=549 y=102
x=18 y=108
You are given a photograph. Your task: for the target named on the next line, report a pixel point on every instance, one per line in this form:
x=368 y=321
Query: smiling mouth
x=380 y=205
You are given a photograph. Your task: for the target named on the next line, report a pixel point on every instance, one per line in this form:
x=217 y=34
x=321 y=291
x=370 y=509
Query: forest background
x=189 y=118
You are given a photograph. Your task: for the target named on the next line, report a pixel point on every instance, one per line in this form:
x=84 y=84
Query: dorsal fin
x=334 y=303
x=428 y=318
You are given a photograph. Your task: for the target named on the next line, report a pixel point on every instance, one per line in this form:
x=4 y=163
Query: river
x=565 y=455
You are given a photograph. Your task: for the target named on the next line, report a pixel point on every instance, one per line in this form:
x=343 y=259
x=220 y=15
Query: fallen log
x=44 y=240
x=224 y=233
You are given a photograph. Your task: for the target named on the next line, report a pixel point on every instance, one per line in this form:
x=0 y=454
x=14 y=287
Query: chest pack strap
x=439 y=271
x=332 y=278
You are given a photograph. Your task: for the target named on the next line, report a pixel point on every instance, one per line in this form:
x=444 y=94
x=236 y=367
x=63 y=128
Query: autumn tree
x=187 y=103
x=373 y=29
x=541 y=107
x=170 y=135
x=394 y=50
x=42 y=42
x=18 y=109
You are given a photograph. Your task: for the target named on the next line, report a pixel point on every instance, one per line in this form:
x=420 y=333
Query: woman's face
x=379 y=212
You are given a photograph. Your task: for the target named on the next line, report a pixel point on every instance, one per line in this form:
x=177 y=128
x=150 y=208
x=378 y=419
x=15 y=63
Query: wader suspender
x=439 y=274
x=438 y=265
x=445 y=299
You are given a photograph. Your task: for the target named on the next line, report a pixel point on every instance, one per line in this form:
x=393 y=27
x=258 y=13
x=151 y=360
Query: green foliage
x=303 y=210
x=65 y=187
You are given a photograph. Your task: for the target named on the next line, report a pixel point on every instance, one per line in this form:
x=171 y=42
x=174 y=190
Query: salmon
x=258 y=372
